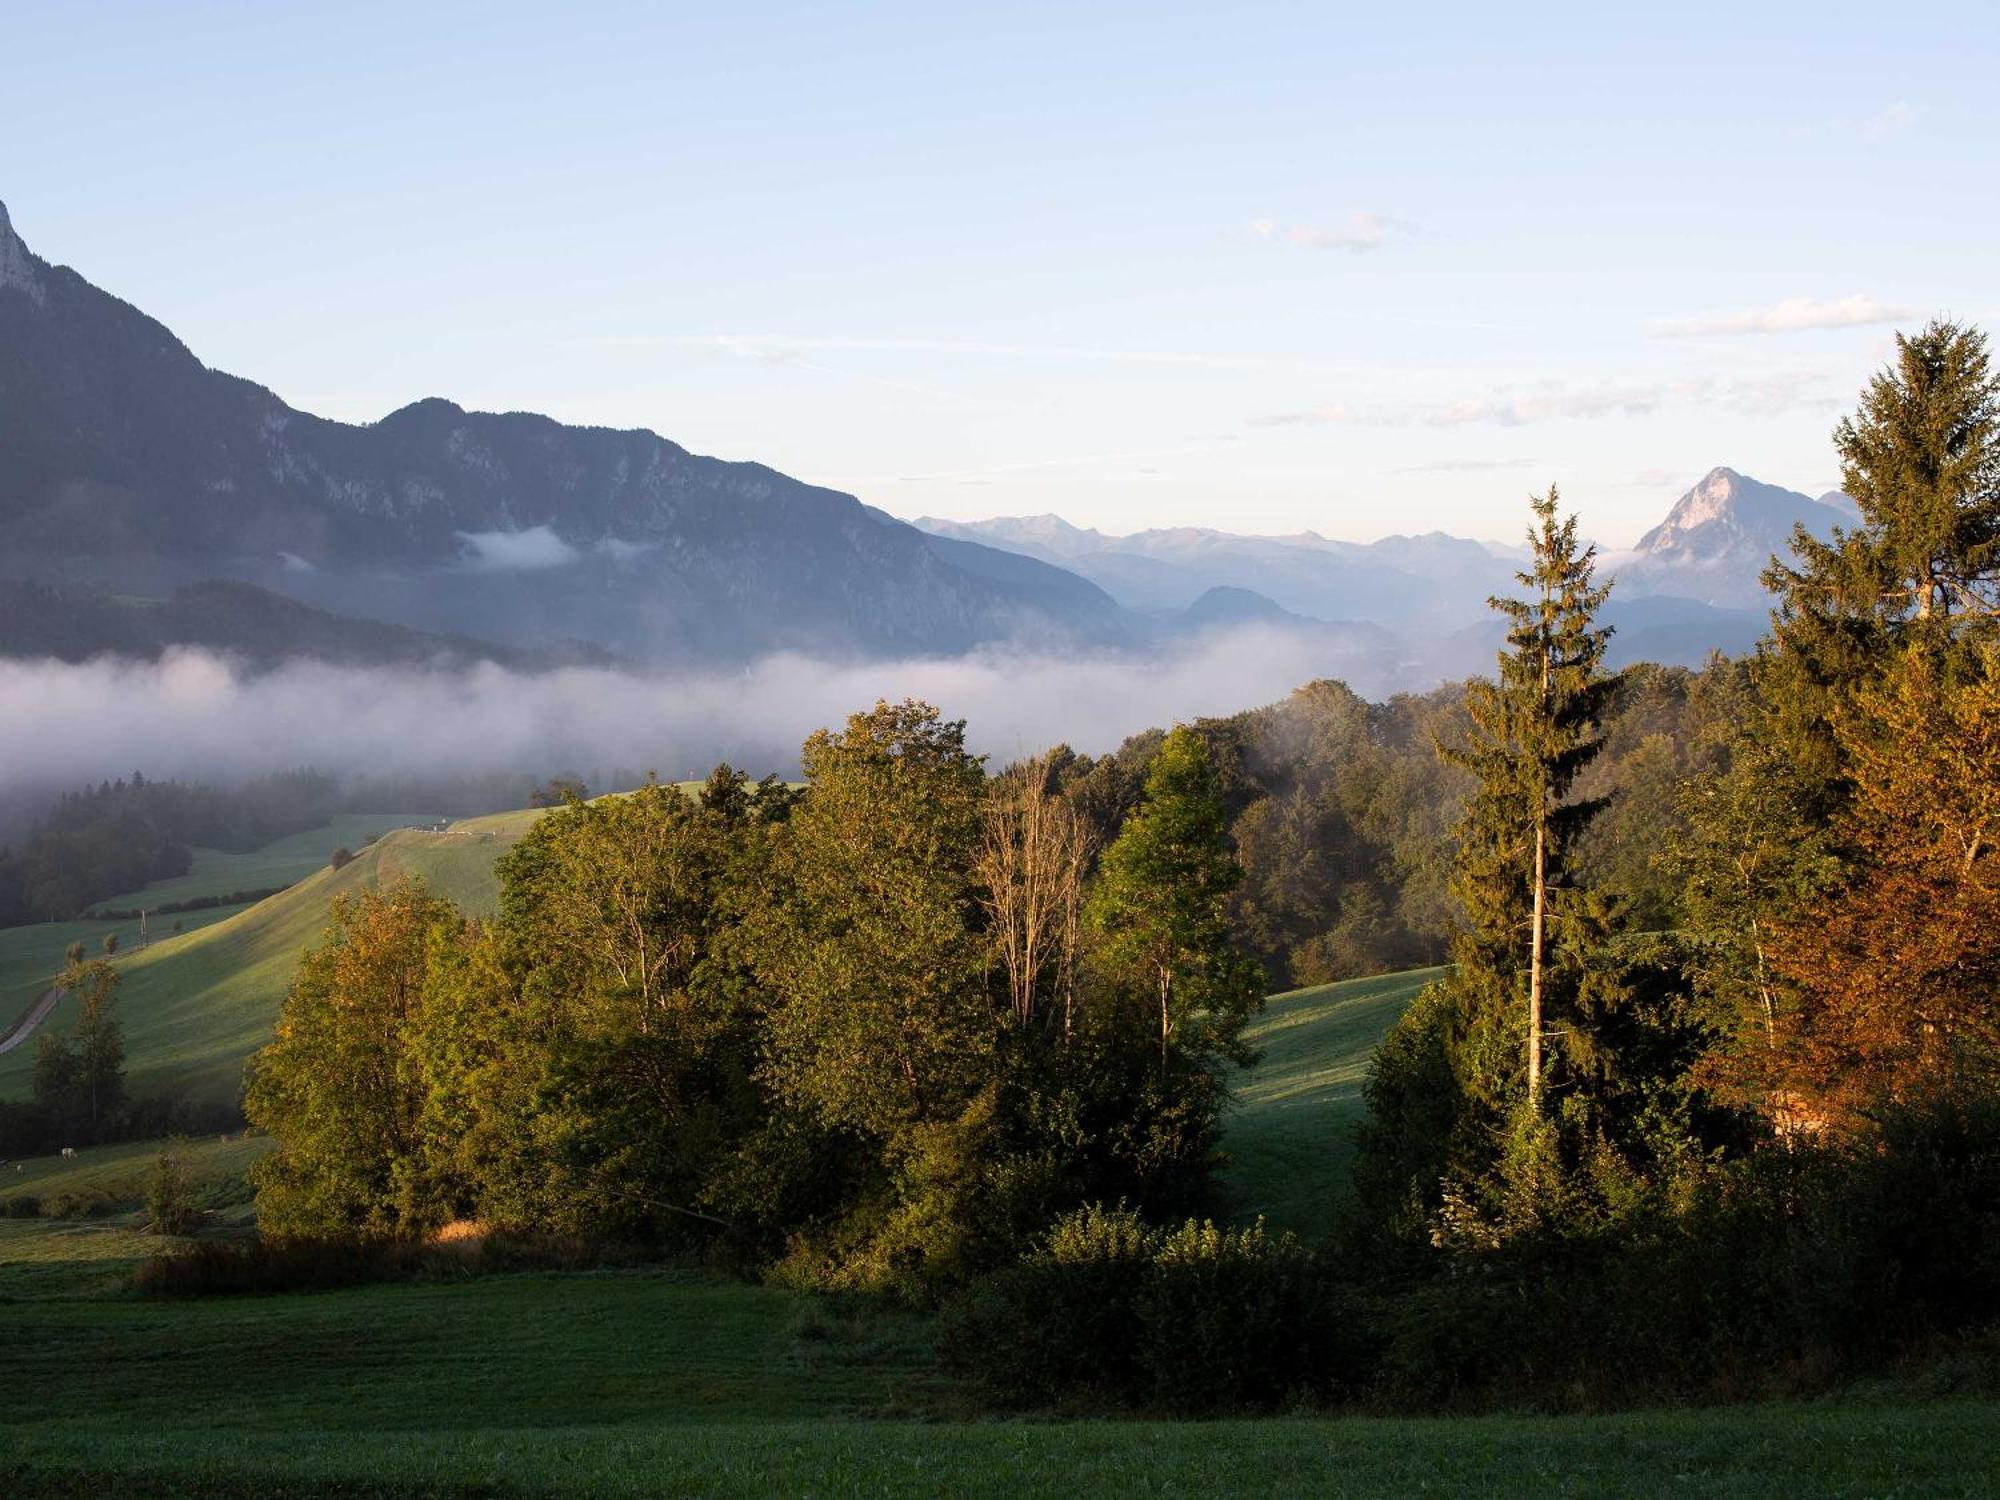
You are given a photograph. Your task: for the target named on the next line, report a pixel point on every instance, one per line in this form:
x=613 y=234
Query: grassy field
x=1289 y=1137
x=645 y=1382
x=31 y=957
x=194 y=1007
x=286 y=862
x=641 y=1383
x=97 y=1244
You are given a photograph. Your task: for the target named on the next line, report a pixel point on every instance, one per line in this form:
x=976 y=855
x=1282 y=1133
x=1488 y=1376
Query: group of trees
x=877 y=1030
x=1708 y=1100
x=77 y=1087
x=120 y=835
x=1809 y=969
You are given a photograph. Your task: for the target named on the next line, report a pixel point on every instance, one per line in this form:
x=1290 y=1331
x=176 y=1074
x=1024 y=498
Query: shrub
x=1199 y=1320
x=1237 y=1318
x=170 y=1193
x=79 y=1203
x=208 y=1268
x=21 y=1206
x=1062 y=1323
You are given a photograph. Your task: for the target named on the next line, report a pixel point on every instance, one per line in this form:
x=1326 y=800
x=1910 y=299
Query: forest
x=1705 y=1104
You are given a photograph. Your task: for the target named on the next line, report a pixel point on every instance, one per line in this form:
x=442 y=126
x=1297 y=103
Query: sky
x=1261 y=267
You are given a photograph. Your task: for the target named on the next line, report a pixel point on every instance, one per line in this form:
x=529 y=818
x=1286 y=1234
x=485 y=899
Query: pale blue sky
x=1259 y=266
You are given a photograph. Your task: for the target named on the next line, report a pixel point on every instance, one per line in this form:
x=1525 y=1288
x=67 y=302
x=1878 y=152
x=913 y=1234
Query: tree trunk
x=1535 y=965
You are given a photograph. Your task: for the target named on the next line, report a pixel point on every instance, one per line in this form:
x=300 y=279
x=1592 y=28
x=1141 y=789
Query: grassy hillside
x=31 y=957
x=196 y=1006
x=1289 y=1138
x=286 y=862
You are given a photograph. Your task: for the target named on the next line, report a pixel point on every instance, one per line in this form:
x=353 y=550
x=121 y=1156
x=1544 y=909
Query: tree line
x=874 y=1032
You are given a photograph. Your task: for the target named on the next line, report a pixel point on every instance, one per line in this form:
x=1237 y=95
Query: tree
x=54 y=1082
x=1921 y=458
x=99 y=1042
x=1533 y=729
x=872 y=956
x=614 y=1068
x=882 y=1048
x=337 y=1087
x=1030 y=870
x=1898 y=969
x=1456 y=1092
x=1160 y=910
x=73 y=955
x=110 y=943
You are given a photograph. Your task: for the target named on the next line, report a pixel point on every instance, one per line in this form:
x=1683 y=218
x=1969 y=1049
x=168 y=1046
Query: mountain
x=258 y=628
x=127 y=465
x=1414 y=580
x=1716 y=540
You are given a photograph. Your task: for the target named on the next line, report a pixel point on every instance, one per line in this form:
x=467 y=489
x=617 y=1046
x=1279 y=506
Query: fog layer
x=196 y=715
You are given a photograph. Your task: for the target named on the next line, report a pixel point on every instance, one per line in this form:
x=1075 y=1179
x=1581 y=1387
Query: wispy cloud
x=525 y=551
x=1793 y=315
x=1361 y=231
x=1898 y=117
x=788 y=347
x=1470 y=465
x=1554 y=401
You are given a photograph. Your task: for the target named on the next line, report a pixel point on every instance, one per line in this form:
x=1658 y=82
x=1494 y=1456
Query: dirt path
x=36 y=1014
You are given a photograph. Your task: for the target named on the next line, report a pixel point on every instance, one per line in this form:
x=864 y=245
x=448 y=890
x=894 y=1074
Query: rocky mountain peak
x=18 y=271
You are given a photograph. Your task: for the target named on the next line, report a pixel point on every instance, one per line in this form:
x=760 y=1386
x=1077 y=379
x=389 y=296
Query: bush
x=1199 y=1320
x=1787 y=1273
x=208 y=1268
x=170 y=1193
x=1240 y=1319
x=21 y=1206
x=80 y=1203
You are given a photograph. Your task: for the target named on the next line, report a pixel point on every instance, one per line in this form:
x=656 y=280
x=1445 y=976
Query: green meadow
x=197 y=1005
x=1290 y=1134
x=647 y=1383
x=652 y=1381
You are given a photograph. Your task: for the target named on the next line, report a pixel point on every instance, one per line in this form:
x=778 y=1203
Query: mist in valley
x=196 y=715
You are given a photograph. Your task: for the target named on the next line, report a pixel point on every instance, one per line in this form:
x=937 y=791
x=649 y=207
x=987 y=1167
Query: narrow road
x=36 y=1014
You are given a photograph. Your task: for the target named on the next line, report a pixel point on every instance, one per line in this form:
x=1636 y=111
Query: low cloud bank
x=193 y=714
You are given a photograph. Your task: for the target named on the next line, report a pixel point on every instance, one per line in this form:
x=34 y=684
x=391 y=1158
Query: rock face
x=125 y=463
x=1714 y=543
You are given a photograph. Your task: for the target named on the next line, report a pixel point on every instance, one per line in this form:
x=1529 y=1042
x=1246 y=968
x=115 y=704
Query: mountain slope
x=126 y=463
x=257 y=627
x=1714 y=543
x=196 y=1006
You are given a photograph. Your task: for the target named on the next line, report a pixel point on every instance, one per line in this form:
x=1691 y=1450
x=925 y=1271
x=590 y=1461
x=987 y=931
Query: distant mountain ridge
x=125 y=463
x=1708 y=552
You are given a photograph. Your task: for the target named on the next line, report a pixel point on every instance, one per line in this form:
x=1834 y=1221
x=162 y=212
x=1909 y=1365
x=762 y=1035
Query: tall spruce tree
x=1921 y=459
x=1458 y=1086
x=1534 y=728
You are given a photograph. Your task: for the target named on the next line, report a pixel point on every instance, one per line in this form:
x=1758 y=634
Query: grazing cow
x=69 y=1153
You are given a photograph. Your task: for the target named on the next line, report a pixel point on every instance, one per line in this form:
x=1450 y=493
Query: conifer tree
x=1456 y=1091
x=1921 y=459
x=1534 y=728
